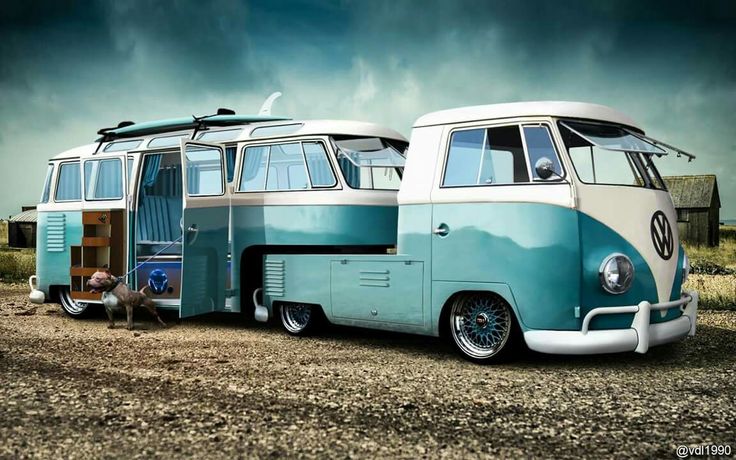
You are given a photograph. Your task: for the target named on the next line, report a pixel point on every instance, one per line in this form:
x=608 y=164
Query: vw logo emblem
x=662 y=238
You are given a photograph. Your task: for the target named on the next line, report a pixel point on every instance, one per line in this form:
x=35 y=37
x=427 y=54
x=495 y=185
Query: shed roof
x=26 y=216
x=693 y=191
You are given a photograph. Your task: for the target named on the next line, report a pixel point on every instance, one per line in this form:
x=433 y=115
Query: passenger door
x=206 y=209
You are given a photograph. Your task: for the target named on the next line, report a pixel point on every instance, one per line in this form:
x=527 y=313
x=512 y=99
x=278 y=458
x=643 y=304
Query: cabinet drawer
x=96 y=217
x=96 y=241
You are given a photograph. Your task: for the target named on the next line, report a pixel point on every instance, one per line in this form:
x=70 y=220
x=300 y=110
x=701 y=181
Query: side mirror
x=545 y=168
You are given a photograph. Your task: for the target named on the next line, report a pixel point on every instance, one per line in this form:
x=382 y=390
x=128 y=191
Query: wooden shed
x=698 y=205
x=22 y=229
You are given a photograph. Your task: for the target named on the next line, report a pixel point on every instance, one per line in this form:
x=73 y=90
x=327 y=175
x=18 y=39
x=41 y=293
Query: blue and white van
x=544 y=223
x=189 y=207
x=539 y=223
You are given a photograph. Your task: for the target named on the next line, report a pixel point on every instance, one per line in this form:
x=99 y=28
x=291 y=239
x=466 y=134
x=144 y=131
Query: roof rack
x=223 y=117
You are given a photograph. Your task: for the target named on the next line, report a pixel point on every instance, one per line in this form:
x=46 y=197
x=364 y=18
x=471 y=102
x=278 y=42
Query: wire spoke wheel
x=72 y=307
x=480 y=324
x=297 y=318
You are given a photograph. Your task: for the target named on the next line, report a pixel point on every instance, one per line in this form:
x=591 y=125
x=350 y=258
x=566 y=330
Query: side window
x=288 y=166
x=130 y=169
x=289 y=162
x=47 y=184
x=318 y=165
x=539 y=145
x=103 y=180
x=68 y=185
x=254 y=168
x=486 y=157
x=204 y=171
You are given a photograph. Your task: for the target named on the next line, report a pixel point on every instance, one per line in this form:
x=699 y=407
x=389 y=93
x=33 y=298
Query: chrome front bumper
x=639 y=337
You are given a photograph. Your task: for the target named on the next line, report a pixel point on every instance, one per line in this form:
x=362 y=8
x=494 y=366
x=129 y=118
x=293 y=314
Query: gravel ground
x=218 y=388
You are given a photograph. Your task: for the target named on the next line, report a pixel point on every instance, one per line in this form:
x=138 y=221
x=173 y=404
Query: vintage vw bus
x=162 y=203
x=542 y=222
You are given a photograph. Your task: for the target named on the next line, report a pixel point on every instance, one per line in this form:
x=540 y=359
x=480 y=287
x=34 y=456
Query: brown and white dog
x=110 y=286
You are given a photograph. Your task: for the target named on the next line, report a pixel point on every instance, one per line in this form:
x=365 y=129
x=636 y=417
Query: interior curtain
x=230 y=161
x=192 y=179
x=153 y=162
x=253 y=159
x=351 y=172
x=109 y=180
x=70 y=187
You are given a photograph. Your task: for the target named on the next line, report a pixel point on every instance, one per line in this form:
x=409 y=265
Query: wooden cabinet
x=103 y=247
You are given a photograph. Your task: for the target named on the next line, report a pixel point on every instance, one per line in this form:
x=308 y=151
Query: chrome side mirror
x=545 y=168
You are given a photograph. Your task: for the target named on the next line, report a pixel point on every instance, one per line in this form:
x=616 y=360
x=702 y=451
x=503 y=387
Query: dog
x=116 y=294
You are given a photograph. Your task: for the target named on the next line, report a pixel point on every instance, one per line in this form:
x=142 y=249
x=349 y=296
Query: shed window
x=683 y=215
x=47 y=184
x=68 y=187
x=103 y=179
x=486 y=157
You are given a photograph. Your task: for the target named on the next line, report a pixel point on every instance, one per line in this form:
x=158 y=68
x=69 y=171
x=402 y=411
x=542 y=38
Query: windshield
x=370 y=162
x=610 y=155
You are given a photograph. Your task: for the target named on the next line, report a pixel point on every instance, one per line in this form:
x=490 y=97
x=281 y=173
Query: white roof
x=302 y=128
x=524 y=109
x=76 y=152
x=325 y=127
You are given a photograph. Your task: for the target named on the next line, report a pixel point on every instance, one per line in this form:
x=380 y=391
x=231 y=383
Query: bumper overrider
x=638 y=337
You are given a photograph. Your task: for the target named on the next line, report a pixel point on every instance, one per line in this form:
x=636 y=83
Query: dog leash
x=121 y=278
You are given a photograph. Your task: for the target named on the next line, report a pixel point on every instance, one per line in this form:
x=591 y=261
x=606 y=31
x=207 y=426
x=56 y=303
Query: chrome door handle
x=442 y=230
x=193 y=230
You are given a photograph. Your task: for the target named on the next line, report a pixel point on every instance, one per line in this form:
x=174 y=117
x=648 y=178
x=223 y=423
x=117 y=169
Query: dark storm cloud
x=71 y=67
x=201 y=44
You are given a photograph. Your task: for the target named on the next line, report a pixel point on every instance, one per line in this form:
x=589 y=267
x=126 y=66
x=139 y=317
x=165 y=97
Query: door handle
x=193 y=230
x=442 y=230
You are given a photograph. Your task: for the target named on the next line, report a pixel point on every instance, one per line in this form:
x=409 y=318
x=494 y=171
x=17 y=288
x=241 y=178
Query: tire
x=299 y=319
x=72 y=307
x=483 y=327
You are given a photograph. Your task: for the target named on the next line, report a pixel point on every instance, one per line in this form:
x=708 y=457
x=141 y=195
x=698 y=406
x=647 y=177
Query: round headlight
x=685 y=268
x=616 y=273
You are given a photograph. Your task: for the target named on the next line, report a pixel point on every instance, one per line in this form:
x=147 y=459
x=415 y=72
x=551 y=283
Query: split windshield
x=370 y=162
x=611 y=155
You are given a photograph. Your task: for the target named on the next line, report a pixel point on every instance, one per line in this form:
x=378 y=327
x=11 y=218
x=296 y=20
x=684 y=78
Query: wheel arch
x=449 y=294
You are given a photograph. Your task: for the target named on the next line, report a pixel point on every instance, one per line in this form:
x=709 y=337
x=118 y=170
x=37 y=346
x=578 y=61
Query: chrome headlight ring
x=616 y=273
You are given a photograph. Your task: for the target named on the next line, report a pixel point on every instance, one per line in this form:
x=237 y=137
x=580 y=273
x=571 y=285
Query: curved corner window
x=103 y=179
x=119 y=146
x=167 y=141
x=47 y=184
x=369 y=163
x=219 y=136
x=278 y=130
x=68 y=185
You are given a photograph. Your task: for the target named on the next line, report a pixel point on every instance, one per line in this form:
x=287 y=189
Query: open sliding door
x=206 y=209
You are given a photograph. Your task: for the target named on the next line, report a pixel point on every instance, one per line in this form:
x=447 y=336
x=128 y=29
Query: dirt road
x=218 y=388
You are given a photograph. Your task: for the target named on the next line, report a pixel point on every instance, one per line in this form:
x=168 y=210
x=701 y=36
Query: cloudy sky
x=68 y=68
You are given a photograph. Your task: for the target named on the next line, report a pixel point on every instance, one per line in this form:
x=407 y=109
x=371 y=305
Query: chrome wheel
x=297 y=318
x=480 y=325
x=73 y=308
